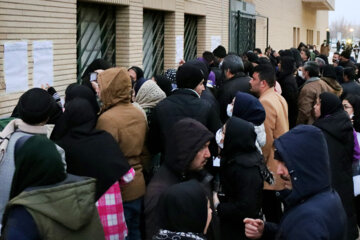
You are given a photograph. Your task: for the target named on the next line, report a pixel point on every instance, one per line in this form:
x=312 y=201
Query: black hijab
x=95 y=65
x=164 y=83
x=330 y=103
x=183 y=208
x=37 y=163
x=90 y=152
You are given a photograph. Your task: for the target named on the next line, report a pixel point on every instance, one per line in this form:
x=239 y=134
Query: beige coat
x=307 y=99
x=276 y=124
x=125 y=123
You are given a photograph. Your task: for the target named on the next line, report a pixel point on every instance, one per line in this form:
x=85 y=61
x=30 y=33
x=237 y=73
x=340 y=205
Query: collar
x=312 y=79
x=187 y=90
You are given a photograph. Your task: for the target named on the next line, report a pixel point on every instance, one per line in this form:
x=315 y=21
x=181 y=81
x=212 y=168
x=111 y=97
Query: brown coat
x=276 y=124
x=125 y=123
x=307 y=99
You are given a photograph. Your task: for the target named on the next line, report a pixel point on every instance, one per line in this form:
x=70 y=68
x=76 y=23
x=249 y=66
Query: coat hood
x=70 y=203
x=240 y=137
x=185 y=139
x=304 y=151
x=249 y=108
x=115 y=87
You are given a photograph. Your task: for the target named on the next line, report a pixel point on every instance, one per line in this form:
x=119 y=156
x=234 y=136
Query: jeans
x=132 y=212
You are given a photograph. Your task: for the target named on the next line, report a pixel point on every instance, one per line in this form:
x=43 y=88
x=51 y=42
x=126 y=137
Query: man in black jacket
x=350 y=86
x=313 y=208
x=236 y=80
x=184 y=102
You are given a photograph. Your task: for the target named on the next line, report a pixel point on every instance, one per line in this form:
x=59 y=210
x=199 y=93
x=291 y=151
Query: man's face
x=335 y=58
x=255 y=83
x=200 y=87
x=201 y=158
x=284 y=174
x=303 y=56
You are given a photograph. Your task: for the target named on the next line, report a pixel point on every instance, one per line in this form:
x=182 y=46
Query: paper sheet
x=179 y=48
x=215 y=41
x=43 y=63
x=16 y=66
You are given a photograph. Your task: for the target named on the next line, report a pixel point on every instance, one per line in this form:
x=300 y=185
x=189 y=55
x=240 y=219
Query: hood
x=333 y=84
x=249 y=108
x=185 y=139
x=304 y=152
x=70 y=203
x=240 y=137
x=338 y=125
x=115 y=87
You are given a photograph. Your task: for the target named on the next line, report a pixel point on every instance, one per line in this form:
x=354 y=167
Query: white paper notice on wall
x=179 y=48
x=43 y=63
x=16 y=66
x=215 y=41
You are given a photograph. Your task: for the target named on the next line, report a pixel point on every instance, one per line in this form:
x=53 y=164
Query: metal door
x=190 y=34
x=153 y=43
x=95 y=35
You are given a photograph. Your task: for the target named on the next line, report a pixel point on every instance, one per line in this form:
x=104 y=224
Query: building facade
x=152 y=34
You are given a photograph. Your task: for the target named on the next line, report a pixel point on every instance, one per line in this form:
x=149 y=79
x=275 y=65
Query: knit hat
x=189 y=76
x=219 y=52
x=35 y=106
x=346 y=54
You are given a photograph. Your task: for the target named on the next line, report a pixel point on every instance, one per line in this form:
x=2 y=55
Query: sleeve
x=20 y=225
x=269 y=125
x=305 y=104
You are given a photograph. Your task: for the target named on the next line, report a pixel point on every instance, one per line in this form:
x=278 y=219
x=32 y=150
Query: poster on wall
x=15 y=66
x=215 y=41
x=179 y=48
x=43 y=73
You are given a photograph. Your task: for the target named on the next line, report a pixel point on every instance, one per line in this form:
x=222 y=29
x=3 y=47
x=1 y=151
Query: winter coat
x=240 y=82
x=314 y=210
x=181 y=104
x=276 y=124
x=351 y=87
x=185 y=140
x=290 y=93
x=74 y=217
x=240 y=178
x=312 y=88
x=338 y=132
x=336 y=87
x=125 y=123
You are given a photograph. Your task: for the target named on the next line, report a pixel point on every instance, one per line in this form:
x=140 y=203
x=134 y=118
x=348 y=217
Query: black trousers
x=271 y=206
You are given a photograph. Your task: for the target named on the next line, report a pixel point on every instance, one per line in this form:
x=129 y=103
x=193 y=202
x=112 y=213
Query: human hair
x=313 y=68
x=267 y=73
x=208 y=56
x=233 y=63
x=307 y=52
x=258 y=50
x=287 y=65
x=349 y=72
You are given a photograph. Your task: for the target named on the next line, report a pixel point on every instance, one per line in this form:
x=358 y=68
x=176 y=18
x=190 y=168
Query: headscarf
x=354 y=100
x=164 y=83
x=90 y=152
x=330 y=103
x=149 y=95
x=74 y=91
x=183 y=208
x=95 y=65
x=171 y=75
x=37 y=163
x=249 y=108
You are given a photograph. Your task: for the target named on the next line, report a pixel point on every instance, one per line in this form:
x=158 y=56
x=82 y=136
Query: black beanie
x=219 y=52
x=329 y=71
x=189 y=75
x=35 y=106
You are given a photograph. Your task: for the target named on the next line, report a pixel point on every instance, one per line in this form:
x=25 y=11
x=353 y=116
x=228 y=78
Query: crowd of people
x=226 y=146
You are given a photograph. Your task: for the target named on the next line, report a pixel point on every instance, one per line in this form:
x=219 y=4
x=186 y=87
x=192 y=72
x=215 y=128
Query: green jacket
x=64 y=211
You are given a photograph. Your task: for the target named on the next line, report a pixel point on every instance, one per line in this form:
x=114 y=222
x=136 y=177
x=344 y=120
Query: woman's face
x=132 y=74
x=317 y=106
x=209 y=217
x=348 y=107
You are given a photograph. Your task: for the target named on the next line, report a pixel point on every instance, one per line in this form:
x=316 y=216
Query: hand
x=254 y=228
x=182 y=61
x=96 y=88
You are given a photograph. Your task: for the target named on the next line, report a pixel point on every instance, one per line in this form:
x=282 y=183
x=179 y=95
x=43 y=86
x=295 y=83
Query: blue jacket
x=313 y=209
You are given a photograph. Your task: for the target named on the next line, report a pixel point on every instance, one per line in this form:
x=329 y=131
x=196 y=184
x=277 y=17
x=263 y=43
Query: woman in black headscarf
x=90 y=152
x=97 y=64
x=74 y=91
x=338 y=131
x=164 y=83
x=184 y=211
x=241 y=178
